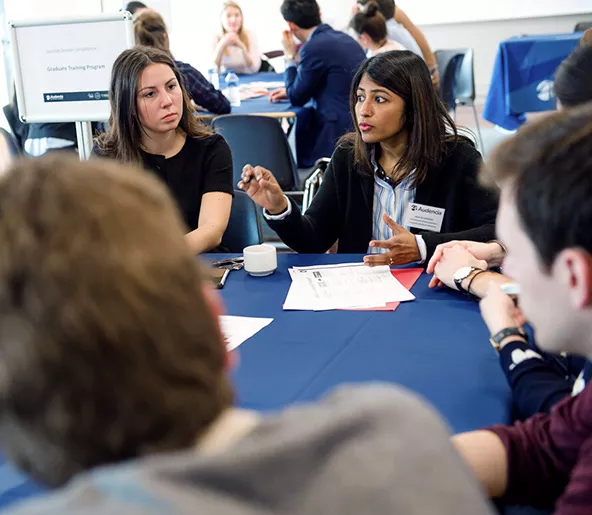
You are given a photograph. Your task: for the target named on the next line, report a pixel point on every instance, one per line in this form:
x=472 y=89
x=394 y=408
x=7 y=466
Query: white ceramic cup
x=260 y=260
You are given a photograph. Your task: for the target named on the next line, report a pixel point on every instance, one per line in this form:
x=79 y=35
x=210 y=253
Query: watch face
x=462 y=273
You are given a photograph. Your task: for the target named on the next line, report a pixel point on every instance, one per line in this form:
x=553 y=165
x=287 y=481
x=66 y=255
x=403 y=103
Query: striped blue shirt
x=394 y=202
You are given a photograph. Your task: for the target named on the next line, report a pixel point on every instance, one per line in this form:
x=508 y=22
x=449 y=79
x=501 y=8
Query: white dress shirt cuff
x=287 y=212
x=423 y=250
x=291 y=63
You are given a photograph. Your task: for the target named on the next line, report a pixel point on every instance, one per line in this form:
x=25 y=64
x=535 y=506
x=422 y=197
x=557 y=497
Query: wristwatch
x=500 y=336
x=461 y=274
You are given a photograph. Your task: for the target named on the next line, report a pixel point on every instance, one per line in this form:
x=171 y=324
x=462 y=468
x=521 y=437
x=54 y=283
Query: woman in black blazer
x=402 y=183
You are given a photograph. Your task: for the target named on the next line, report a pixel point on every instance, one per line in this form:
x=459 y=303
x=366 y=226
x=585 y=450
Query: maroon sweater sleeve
x=550 y=457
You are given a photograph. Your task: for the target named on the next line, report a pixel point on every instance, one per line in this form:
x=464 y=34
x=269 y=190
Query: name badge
x=425 y=218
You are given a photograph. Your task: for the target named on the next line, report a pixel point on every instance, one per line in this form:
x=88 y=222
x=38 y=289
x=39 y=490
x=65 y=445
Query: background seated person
x=236 y=48
x=328 y=61
x=405 y=152
x=115 y=377
x=150 y=30
x=401 y=29
x=545 y=177
x=370 y=27
x=135 y=7
x=36 y=139
x=152 y=125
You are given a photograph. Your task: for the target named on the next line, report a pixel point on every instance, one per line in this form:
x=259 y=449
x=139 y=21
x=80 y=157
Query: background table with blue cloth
x=523 y=76
x=436 y=345
x=260 y=105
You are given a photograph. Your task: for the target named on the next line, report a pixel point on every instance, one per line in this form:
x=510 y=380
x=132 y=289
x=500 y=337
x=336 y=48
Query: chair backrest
x=457 y=76
x=447 y=66
x=582 y=26
x=11 y=143
x=266 y=66
x=464 y=87
x=9 y=150
x=18 y=128
x=244 y=226
x=258 y=140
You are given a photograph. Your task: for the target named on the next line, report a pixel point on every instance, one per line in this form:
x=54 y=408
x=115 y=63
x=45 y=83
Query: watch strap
x=458 y=282
x=500 y=336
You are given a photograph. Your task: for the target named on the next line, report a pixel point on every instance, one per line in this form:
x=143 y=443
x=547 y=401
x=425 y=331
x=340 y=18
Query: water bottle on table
x=232 y=88
x=214 y=78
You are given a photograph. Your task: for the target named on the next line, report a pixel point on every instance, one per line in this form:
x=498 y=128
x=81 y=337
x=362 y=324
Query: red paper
x=407 y=277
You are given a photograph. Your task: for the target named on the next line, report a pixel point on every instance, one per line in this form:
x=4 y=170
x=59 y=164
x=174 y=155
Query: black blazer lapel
x=367 y=188
x=425 y=194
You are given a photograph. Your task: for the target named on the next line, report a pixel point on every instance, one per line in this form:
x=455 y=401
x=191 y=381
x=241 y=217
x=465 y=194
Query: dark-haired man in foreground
x=544 y=220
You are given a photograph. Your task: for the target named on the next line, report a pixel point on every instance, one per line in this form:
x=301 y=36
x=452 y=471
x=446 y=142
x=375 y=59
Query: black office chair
x=582 y=26
x=11 y=143
x=260 y=140
x=447 y=66
x=266 y=66
x=457 y=82
x=244 y=225
x=18 y=128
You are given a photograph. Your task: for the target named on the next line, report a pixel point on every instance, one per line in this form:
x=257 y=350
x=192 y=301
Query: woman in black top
x=152 y=124
x=402 y=183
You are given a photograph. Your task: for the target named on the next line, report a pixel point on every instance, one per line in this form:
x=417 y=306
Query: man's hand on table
x=278 y=94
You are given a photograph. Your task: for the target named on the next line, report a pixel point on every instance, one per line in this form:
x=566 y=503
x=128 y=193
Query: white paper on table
x=347 y=285
x=237 y=330
x=325 y=267
x=301 y=298
x=263 y=85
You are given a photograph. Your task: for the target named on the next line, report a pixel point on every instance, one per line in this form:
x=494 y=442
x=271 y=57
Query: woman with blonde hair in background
x=236 y=48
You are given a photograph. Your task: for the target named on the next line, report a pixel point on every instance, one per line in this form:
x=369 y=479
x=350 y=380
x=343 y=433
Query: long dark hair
x=122 y=140
x=429 y=127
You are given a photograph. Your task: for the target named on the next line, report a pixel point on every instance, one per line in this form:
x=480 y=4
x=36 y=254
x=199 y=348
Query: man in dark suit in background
x=328 y=60
x=133 y=7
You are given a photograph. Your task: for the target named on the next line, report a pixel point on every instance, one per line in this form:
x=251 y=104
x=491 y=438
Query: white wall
x=193 y=24
x=436 y=12
x=484 y=38
x=39 y=9
x=196 y=22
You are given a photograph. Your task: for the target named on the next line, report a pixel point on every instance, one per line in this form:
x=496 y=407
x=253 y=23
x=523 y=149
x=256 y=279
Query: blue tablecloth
x=260 y=104
x=523 y=75
x=436 y=345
